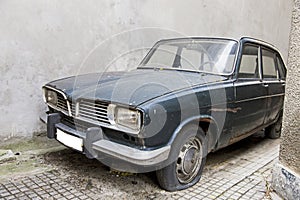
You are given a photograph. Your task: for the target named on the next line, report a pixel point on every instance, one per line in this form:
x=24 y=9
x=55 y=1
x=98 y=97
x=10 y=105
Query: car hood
x=131 y=88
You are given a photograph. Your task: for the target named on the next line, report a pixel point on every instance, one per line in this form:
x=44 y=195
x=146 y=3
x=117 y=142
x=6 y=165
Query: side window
x=268 y=63
x=281 y=67
x=249 y=66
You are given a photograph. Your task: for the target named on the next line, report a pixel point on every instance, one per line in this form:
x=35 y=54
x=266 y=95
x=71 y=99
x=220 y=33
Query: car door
x=274 y=82
x=250 y=93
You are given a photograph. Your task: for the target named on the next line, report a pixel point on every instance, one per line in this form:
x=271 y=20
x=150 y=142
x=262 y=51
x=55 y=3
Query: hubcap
x=189 y=160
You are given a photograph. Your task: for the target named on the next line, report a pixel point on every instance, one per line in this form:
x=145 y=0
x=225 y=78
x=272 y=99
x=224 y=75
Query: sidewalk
x=241 y=171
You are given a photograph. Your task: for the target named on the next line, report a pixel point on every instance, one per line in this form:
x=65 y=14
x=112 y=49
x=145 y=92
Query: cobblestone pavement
x=241 y=171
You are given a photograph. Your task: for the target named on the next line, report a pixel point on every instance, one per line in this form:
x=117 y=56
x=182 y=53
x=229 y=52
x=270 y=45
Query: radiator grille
x=78 y=125
x=62 y=103
x=94 y=111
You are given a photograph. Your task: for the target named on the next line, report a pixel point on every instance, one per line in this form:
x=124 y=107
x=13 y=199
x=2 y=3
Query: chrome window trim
x=160 y=42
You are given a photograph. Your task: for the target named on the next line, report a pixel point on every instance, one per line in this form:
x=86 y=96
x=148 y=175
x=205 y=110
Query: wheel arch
x=207 y=123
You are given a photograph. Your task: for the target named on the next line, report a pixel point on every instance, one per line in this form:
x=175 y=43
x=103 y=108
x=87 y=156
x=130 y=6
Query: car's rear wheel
x=274 y=130
x=189 y=150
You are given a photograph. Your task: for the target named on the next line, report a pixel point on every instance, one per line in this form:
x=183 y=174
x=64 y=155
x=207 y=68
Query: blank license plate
x=69 y=140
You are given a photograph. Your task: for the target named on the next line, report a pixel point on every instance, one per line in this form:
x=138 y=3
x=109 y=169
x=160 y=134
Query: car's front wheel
x=190 y=150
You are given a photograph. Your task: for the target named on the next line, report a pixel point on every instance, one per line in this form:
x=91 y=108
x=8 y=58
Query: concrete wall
x=290 y=144
x=45 y=40
x=286 y=174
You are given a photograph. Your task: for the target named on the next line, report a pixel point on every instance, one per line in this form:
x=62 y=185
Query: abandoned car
x=188 y=97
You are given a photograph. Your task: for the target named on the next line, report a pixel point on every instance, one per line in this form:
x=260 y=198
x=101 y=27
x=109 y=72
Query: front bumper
x=95 y=145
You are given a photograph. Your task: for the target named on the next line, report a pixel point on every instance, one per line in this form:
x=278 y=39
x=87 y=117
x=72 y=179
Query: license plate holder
x=69 y=140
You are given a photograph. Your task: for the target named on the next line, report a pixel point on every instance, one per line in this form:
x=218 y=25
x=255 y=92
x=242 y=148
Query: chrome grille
x=94 y=111
x=62 y=103
x=73 y=108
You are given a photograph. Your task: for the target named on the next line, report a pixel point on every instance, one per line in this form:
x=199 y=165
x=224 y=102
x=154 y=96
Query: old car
x=187 y=98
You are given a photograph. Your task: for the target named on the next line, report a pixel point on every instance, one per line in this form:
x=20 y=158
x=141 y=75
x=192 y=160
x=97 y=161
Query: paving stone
x=69 y=195
x=5 y=194
x=45 y=196
x=245 y=179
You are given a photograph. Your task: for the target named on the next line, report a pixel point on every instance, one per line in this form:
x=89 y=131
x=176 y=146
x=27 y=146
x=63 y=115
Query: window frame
x=281 y=67
x=259 y=57
x=275 y=63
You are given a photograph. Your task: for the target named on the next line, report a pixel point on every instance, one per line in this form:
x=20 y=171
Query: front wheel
x=190 y=149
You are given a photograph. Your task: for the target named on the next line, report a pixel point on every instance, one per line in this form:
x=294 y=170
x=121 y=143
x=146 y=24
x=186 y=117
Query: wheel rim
x=189 y=160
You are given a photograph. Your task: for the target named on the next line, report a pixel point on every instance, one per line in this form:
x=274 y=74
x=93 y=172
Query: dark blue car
x=188 y=97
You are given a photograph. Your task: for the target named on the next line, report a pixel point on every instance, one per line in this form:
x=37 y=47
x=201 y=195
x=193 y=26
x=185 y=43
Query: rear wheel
x=189 y=151
x=274 y=130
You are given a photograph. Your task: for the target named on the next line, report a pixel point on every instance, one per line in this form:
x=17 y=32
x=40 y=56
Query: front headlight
x=50 y=97
x=125 y=118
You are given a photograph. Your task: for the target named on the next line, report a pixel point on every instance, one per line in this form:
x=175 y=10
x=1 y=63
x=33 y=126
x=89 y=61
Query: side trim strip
x=262 y=97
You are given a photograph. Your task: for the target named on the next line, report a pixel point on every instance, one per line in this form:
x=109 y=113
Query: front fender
x=212 y=131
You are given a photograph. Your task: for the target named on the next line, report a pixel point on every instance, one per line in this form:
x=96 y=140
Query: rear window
x=269 y=64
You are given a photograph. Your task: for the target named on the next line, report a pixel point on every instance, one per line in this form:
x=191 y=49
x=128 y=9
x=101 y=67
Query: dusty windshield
x=206 y=55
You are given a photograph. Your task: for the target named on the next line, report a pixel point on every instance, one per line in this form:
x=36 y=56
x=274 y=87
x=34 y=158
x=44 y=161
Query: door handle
x=265 y=85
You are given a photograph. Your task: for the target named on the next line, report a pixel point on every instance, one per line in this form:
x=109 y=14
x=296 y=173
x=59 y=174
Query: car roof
x=196 y=38
x=258 y=41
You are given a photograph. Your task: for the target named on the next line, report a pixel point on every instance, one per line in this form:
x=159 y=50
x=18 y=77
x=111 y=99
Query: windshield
x=205 y=55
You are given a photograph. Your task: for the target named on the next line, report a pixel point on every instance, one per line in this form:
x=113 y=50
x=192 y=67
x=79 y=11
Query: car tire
x=274 y=130
x=189 y=152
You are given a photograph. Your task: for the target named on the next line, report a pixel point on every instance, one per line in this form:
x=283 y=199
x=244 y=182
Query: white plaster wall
x=45 y=40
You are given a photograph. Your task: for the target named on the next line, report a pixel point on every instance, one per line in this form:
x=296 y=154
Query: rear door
x=274 y=80
x=250 y=93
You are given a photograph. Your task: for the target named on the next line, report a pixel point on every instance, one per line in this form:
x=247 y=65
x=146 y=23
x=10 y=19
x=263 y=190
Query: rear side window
x=249 y=66
x=281 y=67
x=269 y=64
